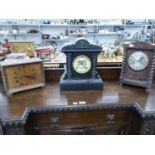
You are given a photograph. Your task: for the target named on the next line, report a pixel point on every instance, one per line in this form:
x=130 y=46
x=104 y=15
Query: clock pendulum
x=81 y=73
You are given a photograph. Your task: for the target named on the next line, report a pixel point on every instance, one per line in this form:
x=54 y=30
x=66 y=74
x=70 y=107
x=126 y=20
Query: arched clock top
x=81 y=44
x=139 y=45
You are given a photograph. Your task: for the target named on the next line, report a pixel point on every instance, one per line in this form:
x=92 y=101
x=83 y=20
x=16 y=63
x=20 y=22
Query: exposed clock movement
x=138 y=64
x=81 y=73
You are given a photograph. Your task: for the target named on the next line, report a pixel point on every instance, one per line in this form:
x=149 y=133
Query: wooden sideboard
x=120 y=119
x=115 y=110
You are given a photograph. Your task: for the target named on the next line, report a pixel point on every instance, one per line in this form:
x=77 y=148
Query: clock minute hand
x=140 y=59
x=30 y=77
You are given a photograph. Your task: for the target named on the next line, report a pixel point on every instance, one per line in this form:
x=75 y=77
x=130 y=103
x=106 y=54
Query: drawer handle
x=110 y=119
x=54 y=122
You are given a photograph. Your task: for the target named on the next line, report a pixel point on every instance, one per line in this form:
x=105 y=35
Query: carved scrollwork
x=148 y=130
x=17 y=131
x=1 y=132
x=17 y=127
x=82 y=44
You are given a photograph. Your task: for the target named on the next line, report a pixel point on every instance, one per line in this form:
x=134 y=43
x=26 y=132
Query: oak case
x=142 y=78
x=23 y=75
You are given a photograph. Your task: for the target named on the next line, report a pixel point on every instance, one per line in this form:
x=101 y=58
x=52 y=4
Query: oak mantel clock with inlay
x=138 y=64
x=80 y=73
x=20 y=75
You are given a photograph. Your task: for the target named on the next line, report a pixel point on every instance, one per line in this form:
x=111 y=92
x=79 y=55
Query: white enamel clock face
x=82 y=64
x=138 y=61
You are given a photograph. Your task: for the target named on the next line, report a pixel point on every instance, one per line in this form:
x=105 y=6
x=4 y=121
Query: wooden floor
x=14 y=106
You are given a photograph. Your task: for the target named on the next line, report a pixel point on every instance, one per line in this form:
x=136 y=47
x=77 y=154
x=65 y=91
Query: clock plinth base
x=142 y=84
x=84 y=84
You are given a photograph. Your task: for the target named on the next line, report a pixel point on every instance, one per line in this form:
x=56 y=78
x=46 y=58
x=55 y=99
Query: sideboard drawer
x=80 y=122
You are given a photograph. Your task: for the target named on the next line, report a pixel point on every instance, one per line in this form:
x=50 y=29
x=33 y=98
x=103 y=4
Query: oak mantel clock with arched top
x=138 y=64
x=81 y=73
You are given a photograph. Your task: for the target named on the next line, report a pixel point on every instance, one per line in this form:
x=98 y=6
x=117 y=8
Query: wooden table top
x=14 y=106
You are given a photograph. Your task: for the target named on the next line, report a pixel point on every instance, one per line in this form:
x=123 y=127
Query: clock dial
x=23 y=75
x=138 y=61
x=82 y=64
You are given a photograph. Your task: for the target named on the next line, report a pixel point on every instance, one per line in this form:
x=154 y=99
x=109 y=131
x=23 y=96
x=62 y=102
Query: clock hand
x=140 y=59
x=143 y=63
x=30 y=77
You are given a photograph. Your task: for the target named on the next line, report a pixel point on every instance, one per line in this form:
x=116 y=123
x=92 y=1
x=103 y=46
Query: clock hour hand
x=141 y=61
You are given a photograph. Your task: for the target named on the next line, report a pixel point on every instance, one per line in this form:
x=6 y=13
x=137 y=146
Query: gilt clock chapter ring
x=82 y=64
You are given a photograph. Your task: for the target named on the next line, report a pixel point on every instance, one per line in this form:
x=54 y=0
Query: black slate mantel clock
x=80 y=73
